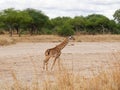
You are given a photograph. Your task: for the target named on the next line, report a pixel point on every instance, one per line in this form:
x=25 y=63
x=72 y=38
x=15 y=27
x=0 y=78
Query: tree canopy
x=117 y=15
x=34 y=21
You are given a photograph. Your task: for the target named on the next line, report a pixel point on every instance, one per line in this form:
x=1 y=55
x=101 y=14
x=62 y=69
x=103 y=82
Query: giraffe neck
x=63 y=44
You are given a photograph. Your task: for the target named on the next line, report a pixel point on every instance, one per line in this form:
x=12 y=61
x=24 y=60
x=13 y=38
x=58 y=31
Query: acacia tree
x=79 y=23
x=7 y=17
x=117 y=19
x=97 y=24
x=65 y=30
x=21 y=20
x=14 y=19
x=59 y=22
x=117 y=15
x=30 y=19
x=38 y=20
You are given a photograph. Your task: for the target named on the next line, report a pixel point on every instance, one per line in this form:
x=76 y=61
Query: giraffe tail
x=47 y=52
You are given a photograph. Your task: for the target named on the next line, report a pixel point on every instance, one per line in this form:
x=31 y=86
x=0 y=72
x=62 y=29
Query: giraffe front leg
x=53 y=63
x=59 y=64
x=46 y=66
x=43 y=65
x=55 y=60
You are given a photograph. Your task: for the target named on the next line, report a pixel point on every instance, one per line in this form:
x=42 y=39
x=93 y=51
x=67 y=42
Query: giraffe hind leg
x=45 y=63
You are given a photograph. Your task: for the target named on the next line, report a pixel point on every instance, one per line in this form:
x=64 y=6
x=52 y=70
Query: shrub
x=46 y=31
x=2 y=32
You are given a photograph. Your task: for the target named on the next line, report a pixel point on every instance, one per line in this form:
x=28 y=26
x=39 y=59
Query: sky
x=55 y=8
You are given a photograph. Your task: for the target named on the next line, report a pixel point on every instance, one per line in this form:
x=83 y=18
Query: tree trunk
x=31 y=31
x=10 y=31
x=103 y=29
x=17 y=30
x=19 y=33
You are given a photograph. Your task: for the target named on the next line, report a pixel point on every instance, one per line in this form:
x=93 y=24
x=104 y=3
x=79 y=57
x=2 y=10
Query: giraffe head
x=71 y=38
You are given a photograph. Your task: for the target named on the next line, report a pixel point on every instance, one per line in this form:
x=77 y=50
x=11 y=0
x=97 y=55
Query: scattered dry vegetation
x=106 y=79
x=6 y=40
x=98 y=38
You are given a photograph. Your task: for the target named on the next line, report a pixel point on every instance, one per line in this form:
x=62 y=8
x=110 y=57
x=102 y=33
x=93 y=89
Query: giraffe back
x=52 y=51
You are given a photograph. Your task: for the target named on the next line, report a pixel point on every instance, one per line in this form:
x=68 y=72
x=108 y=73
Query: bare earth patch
x=26 y=59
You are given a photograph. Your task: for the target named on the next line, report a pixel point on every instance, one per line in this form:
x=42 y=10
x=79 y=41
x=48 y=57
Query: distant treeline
x=32 y=21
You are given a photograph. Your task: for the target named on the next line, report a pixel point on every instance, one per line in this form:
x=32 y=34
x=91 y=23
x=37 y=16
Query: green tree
x=21 y=20
x=7 y=17
x=38 y=20
x=113 y=27
x=65 y=30
x=79 y=23
x=58 y=22
x=14 y=19
x=117 y=15
x=97 y=24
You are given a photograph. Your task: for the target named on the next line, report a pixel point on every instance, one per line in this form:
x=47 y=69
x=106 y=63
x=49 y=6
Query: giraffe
x=55 y=52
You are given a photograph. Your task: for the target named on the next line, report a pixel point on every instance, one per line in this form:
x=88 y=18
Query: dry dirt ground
x=26 y=59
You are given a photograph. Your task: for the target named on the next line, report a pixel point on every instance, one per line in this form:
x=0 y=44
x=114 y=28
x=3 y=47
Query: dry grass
x=6 y=40
x=79 y=38
x=38 y=38
x=98 y=38
x=106 y=79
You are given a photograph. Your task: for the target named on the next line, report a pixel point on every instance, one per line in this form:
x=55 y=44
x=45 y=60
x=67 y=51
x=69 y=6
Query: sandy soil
x=26 y=59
